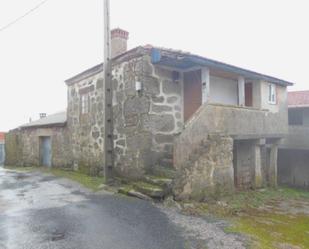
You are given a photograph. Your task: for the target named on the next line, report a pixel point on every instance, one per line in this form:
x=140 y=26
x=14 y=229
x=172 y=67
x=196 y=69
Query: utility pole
x=108 y=98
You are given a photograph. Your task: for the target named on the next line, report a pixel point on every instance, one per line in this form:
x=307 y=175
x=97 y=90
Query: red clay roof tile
x=298 y=99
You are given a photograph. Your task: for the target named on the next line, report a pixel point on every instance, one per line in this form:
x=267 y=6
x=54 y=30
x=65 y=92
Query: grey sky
x=65 y=37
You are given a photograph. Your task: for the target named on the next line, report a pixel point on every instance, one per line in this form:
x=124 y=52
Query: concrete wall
x=223 y=91
x=228 y=120
x=297 y=138
x=306 y=117
x=251 y=163
x=23 y=147
x=244 y=164
x=293 y=168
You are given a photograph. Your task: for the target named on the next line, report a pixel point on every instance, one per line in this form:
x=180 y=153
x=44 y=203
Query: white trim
x=272 y=94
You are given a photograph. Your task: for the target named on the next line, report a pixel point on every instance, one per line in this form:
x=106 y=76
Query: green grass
x=268 y=228
x=24 y=169
x=87 y=181
x=244 y=201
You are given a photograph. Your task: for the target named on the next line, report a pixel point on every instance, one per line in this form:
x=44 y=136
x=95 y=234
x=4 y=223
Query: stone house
x=43 y=142
x=293 y=161
x=217 y=125
x=2 y=151
x=214 y=125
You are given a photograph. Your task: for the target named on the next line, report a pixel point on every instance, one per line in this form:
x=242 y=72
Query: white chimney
x=119 y=41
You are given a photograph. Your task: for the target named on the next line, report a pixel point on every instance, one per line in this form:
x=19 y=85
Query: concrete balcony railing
x=234 y=121
x=298 y=138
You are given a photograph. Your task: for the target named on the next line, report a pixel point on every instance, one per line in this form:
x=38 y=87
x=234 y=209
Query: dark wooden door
x=248 y=94
x=192 y=93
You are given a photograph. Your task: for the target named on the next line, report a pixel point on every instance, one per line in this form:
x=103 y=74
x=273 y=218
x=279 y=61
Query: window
x=272 y=98
x=85 y=104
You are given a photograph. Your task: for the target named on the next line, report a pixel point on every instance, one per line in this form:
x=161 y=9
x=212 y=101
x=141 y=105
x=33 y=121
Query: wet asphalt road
x=38 y=211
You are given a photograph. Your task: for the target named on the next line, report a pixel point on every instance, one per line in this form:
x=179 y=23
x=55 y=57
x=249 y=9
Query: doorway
x=192 y=93
x=45 y=151
x=249 y=94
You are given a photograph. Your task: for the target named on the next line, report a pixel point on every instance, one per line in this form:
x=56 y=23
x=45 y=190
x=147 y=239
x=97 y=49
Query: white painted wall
x=223 y=91
x=281 y=98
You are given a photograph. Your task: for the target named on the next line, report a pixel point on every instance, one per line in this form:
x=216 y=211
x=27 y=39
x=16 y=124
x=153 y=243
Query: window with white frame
x=85 y=103
x=272 y=95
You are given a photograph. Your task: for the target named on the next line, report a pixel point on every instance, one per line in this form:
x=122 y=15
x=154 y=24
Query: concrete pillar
x=257 y=163
x=205 y=85
x=272 y=169
x=241 y=91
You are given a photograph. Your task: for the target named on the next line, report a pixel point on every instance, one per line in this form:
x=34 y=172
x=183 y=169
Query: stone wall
x=23 y=147
x=145 y=122
x=208 y=171
x=13 y=148
x=86 y=130
x=244 y=153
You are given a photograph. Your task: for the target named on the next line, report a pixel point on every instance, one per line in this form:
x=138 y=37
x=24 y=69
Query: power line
x=23 y=16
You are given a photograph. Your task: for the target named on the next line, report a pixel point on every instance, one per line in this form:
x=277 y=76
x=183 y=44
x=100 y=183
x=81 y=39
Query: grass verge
x=268 y=228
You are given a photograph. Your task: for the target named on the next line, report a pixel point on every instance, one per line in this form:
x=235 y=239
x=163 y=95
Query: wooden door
x=192 y=93
x=249 y=94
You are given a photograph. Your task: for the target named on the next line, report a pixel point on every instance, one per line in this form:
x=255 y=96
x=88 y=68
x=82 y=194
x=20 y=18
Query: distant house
x=215 y=125
x=293 y=165
x=2 y=151
x=42 y=142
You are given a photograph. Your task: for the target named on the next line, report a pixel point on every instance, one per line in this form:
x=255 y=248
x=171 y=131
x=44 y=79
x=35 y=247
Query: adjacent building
x=43 y=142
x=2 y=150
x=215 y=125
x=293 y=165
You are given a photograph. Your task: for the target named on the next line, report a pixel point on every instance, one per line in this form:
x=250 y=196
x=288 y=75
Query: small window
x=85 y=104
x=272 y=98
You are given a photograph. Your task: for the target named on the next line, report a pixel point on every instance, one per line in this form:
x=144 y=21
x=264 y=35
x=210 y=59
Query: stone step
x=165 y=172
x=153 y=191
x=131 y=192
x=163 y=182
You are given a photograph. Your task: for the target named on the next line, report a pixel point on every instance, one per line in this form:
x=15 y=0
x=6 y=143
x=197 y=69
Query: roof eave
x=63 y=124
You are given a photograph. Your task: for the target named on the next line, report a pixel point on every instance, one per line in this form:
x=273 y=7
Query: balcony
x=237 y=122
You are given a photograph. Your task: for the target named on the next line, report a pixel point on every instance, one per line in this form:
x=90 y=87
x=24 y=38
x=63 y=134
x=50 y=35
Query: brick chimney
x=119 y=41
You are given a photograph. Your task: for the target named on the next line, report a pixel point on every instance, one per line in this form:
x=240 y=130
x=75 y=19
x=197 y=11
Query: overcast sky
x=65 y=37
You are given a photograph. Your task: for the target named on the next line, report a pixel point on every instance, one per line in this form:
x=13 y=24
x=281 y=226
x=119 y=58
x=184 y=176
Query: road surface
x=39 y=211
